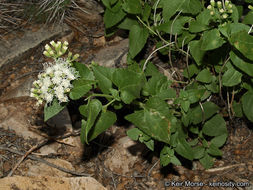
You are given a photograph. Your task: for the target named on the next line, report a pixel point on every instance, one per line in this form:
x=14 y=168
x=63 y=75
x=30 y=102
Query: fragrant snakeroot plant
x=55 y=81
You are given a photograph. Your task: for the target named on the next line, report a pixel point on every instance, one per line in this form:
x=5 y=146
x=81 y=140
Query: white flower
x=49 y=98
x=65 y=83
x=57 y=80
x=47 y=47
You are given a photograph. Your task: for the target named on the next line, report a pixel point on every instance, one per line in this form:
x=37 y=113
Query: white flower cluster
x=55 y=81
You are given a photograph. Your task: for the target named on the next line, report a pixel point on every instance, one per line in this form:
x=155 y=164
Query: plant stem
x=99 y=95
x=109 y=103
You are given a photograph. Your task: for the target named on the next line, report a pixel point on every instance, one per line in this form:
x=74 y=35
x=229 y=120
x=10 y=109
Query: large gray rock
x=12 y=49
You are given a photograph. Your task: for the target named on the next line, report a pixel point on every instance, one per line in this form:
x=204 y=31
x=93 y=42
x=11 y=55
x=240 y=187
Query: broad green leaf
x=248 y=19
x=132 y=6
x=159 y=86
x=170 y=7
x=115 y=94
x=104 y=77
x=127 y=23
x=185 y=105
x=54 y=108
x=158 y=106
x=199 y=152
x=194 y=95
x=235 y=15
x=129 y=84
x=82 y=135
x=137 y=39
x=114 y=15
x=211 y=40
x=237 y=108
x=174 y=26
x=146 y=12
x=84 y=71
x=219 y=141
x=152 y=124
x=105 y=120
x=174 y=160
x=214 y=150
x=242 y=64
x=247 y=105
x=134 y=133
x=184 y=149
x=192 y=6
x=243 y=42
x=190 y=71
x=94 y=107
x=201 y=22
x=207 y=161
x=80 y=88
x=150 y=144
x=196 y=51
x=216 y=126
x=231 y=77
x=167 y=156
x=197 y=115
x=231 y=28
x=204 y=76
x=185 y=38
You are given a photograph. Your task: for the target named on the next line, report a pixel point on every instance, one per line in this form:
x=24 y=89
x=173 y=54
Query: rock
x=41 y=169
x=61 y=122
x=49 y=183
x=16 y=119
x=124 y=155
x=112 y=56
x=21 y=90
x=12 y=50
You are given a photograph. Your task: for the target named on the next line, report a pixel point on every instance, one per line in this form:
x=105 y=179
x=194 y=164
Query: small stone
x=99 y=41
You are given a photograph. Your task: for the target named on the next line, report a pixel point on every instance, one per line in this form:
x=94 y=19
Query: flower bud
x=51 y=52
x=221 y=11
x=219 y=4
x=212 y=2
x=230 y=11
x=46 y=54
x=230 y=6
x=226 y=2
x=212 y=13
x=47 y=47
x=225 y=16
x=65 y=43
x=209 y=7
x=53 y=43
x=75 y=57
x=250 y=7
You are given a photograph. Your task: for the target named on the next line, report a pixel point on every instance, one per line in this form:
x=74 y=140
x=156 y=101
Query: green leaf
x=82 y=135
x=114 y=15
x=174 y=27
x=104 y=77
x=214 y=150
x=199 y=152
x=80 y=88
x=248 y=19
x=220 y=140
x=54 y=108
x=192 y=69
x=207 y=161
x=84 y=71
x=237 y=108
x=184 y=149
x=170 y=7
x=127 y=23
x=211 y=40
x=194 y=95
x=201 y=23
x=146 y=12
x=185 y=38
x=158 y=106
x=129 y=84
x=150 y=144
x=204 y=76
x=105 y=120
x=216 y=126
x=196 y=52
x=94 y=107
x=247 y=105
x=134 y=133
x=231 y=77
x=197 y=115
x=192 y=6
x=132 y=6
x=242 y=64
x=152 y=124
x=243 y=42
x=137 y=39
x=174 y=160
